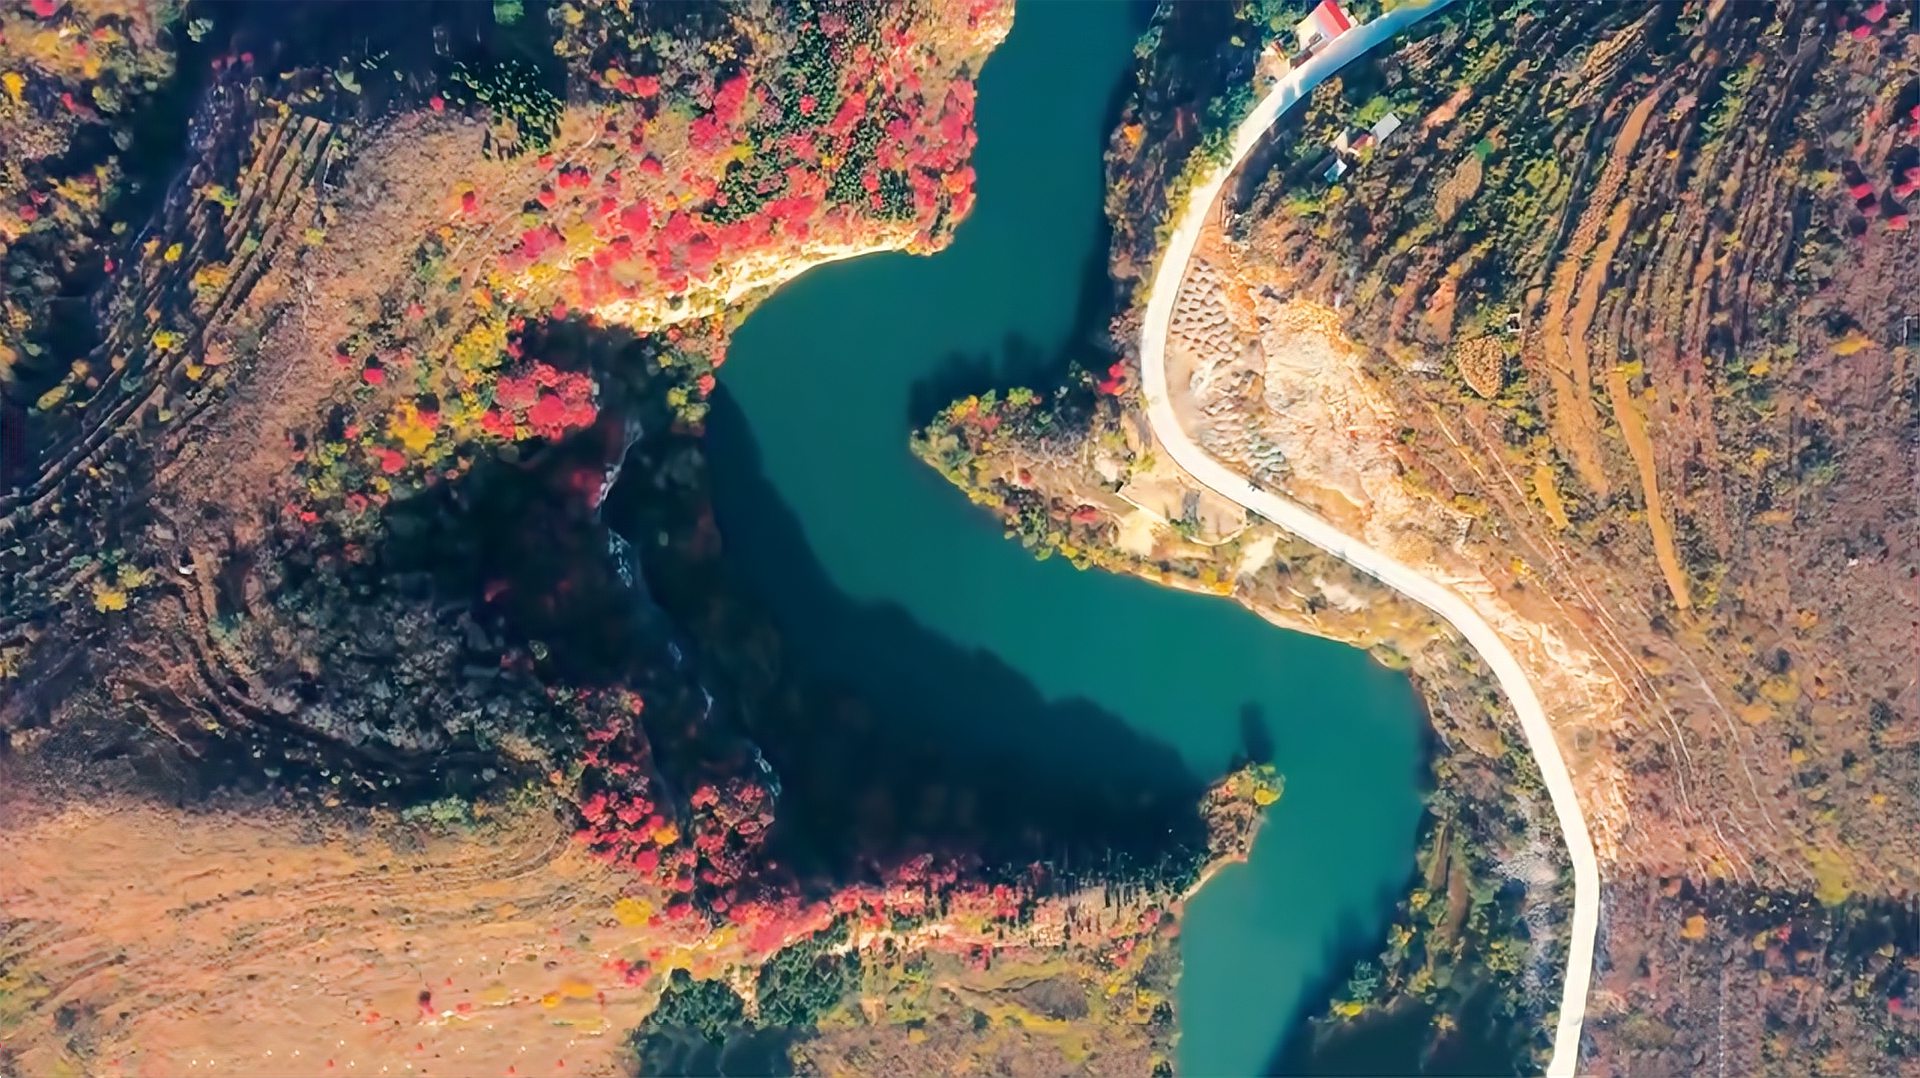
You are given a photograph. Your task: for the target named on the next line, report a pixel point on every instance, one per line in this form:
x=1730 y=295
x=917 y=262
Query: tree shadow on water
x=1386 y=1049
x=1021 y=361
x=1403 y=1041
x=1256 y=737
x=891 y=740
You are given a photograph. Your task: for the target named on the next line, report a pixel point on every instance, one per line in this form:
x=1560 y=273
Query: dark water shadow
x=1022 y=362
x=890 y=739
x=1256 y=737
x=1374 y=1047
x=1403 y=1042
x=1298 y=1052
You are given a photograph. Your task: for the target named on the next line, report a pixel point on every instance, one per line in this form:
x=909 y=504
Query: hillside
x=1603 y=326
x=1619 y=301
x=1633 y=295
x=322 y=640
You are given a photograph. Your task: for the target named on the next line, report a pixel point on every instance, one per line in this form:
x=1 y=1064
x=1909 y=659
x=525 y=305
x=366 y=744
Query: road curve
x=1309 y=526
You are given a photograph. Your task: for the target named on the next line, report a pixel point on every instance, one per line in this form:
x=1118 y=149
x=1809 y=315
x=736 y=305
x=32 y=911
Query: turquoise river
x=885 y=578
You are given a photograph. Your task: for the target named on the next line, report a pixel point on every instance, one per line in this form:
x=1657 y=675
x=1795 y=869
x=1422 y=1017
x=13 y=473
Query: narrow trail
x=1302 y=522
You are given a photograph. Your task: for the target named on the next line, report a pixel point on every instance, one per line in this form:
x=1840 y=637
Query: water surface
x=883 y=577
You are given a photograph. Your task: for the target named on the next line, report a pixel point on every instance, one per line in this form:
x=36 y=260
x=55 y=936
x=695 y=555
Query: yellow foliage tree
x=409 y=429
x=633 y=912
x=1854 y=341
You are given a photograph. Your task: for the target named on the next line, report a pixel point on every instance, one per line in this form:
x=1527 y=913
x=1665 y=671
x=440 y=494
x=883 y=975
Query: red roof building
x=1875 y=11
x=1324 y=23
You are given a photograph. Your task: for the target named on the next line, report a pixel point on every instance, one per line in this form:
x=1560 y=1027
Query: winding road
x=1309 y=526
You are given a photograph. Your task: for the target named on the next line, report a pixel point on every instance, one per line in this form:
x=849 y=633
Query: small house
x=1384 y=127
x=1335 y=167
x=1324 y=23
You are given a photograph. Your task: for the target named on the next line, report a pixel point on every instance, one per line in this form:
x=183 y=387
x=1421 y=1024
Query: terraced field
x=283 y=945
x=1631 y=281
x=1681 y=361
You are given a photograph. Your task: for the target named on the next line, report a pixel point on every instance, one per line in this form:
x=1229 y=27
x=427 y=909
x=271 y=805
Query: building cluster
x=1345 y=149
x=1325 y=22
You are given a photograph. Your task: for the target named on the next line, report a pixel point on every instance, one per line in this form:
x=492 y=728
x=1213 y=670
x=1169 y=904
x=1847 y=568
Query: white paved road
x=1403 y=578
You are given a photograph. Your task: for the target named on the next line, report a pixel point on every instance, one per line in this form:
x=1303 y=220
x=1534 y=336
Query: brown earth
x=152 y=927
x=1661 y=203
x=144 y=939
x=139 y=939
